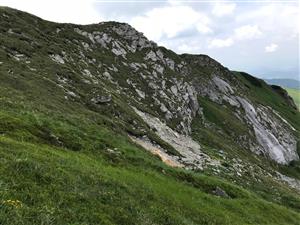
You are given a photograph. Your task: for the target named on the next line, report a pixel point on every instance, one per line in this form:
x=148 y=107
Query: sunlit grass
x=295 y=94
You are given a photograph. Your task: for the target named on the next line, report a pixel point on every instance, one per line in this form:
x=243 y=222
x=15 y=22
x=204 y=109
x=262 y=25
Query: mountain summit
x=101 y=114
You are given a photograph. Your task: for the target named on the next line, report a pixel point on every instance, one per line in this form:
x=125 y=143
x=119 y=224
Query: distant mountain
x=288 y=83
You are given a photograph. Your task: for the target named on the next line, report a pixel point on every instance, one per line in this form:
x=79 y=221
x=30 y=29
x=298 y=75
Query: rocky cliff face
x=165 y=85
x=103 y=64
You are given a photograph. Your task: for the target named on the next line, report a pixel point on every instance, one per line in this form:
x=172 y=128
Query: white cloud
x=170 y=21
x=271 y=48
x=220 y=43
x=223 y=9
x=277 y=19
x=247 y=32
x=79 y=11
x=203 y=28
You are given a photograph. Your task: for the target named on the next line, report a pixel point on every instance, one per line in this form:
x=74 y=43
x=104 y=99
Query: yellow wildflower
x=14 y=203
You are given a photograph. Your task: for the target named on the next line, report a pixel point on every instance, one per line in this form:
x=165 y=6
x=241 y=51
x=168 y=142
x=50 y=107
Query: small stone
x=107 y=75
x=57 y=59
x=163 y=108
x=141 y=93
x=174 y=90
x=220 y=192
x=101 y=99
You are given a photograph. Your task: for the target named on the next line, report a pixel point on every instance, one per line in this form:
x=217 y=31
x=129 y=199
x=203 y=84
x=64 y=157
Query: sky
x=260 y=37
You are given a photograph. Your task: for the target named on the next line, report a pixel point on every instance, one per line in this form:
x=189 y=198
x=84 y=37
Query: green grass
x=62 y=170
x=295 y=94
x=56 y=186
x=222 y=116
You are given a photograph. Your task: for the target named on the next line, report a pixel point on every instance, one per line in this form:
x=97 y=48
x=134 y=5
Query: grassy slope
x=57 y=162
x=59 y=186
x=295 y=94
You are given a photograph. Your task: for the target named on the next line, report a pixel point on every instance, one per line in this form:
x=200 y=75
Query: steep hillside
x=295 y=94
x=99 y=125
x=291 y=86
